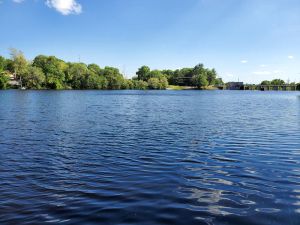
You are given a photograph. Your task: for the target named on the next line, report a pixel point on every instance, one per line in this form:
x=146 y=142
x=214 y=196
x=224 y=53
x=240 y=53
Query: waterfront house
x=235 y=85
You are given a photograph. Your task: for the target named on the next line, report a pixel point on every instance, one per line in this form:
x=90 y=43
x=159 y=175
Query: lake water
x=150 y=157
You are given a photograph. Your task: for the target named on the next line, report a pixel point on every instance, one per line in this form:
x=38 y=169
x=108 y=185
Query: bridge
x=258 y=87
x=283 y=87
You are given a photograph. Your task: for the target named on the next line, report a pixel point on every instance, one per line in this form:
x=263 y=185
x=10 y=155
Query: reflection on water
x=149 y=157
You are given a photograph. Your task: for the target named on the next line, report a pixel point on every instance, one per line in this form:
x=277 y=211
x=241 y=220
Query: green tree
x=94 y=81
x=77 y=74
x=200 y=76
x=155 y=74
x=163 y=83
x=54 y=70
x=2 y=63
x=143 y=73
x=19 y=62
x=168 y=73
x=219 y=81
x=265 y=82
x=211 y=76
x=114 y=78
x=95 y=68
x=154 y=83
x=277 y=82
x=181 y=77
x=4 y=79
x=140 y=84
x=34 y=78
x=200 y=80
x=128 y=84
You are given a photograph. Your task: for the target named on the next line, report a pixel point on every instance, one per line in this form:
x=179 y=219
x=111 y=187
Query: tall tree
x=143 y=73
x=54 y=70
x=77 y=73
x=114 y=78
x=2 y=63
x=19 y=62
x=211 y=76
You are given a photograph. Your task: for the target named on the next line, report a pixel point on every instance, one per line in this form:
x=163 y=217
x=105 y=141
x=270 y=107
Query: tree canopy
x=50 y=72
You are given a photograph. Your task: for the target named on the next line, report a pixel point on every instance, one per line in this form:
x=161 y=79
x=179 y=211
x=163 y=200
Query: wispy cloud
x=263 y=65
x=291 y=57
x=244 y=61
x=65 y=7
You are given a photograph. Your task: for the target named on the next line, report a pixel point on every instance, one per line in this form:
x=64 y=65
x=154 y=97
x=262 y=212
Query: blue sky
x=249 y=40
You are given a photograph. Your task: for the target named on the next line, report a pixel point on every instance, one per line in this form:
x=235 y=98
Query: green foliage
x=114 y=78
x=54 y=70
x=277 y=82
x=200 y=80
x=94 y=81
x=49 y=72
x=94 y=68
x=143 y=73
x=77 y=74
x=19 y=62
x=2 y=64
x=128 y=84
x=219 y=81
x=211 y=76
x=181 y=77
x=140 y=85
x=265 y=82
x=158 y=83
x=3 y=80
x=273 y=82
x=163 y=83
x=153 y=83
x=200 y=76
x=33 y=78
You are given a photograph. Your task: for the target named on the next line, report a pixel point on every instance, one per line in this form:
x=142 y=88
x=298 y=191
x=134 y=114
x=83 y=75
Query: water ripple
x=149 y=157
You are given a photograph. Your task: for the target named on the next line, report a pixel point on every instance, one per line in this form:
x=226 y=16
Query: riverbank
x=177 y=88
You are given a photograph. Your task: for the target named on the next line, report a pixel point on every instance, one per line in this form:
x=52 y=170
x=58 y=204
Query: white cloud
x=244 y=61
x=262 y=72
x=291 y=57
x=65 y=7
x=263 y=65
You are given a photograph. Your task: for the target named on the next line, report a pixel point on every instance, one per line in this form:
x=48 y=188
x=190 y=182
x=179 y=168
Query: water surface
x=150 y=157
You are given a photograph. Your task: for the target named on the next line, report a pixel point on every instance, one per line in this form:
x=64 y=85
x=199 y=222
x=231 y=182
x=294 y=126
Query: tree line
x=49 y=72
x=280 y=82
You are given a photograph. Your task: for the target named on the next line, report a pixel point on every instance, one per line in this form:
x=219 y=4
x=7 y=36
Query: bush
x=4 y=79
